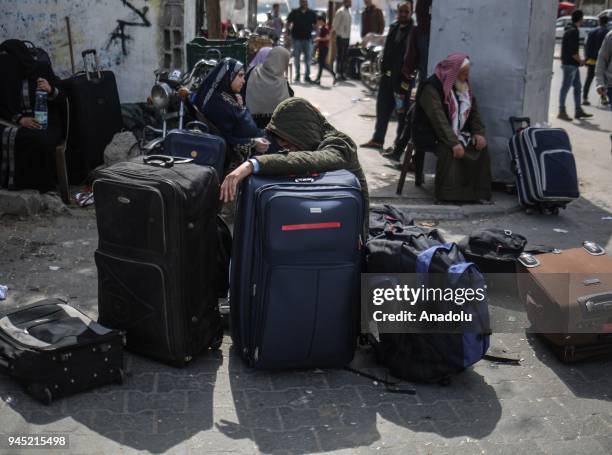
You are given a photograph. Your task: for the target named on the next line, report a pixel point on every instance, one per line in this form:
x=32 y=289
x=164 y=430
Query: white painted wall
x=511 y=45
x=92 y=22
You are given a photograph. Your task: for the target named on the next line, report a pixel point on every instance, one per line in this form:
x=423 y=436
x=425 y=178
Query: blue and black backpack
x=431 y=355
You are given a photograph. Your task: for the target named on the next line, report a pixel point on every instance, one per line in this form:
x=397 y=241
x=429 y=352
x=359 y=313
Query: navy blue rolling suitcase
x=205 y=149
x=546 y=176
x=295 y=272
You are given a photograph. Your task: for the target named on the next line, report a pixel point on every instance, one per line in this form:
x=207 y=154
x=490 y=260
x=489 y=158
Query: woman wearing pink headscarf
x=447 y=122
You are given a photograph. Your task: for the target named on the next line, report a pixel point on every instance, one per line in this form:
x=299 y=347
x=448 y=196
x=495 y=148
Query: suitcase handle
x=518 y=120
x=217 y=51
x=196 y=124
x=96 y=62
x=164 y=161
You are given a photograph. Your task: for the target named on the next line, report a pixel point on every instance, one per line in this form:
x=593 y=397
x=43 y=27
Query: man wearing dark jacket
x=591 y=49
x=302 y=21
x=372 y=19
x=570 y=65
x=393 y=92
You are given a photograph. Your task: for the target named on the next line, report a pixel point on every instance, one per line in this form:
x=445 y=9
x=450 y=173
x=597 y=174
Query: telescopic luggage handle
x=514 y=121
x=96 y=62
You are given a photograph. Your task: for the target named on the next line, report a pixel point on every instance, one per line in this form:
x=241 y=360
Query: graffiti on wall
x=120 y=34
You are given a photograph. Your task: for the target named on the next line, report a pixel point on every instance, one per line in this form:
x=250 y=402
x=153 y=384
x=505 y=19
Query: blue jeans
x=571 y=77
x=610 y=97
x=302 y=46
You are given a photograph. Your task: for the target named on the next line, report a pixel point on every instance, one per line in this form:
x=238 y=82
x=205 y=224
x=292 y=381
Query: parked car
x=590 y=23
x=606 y=12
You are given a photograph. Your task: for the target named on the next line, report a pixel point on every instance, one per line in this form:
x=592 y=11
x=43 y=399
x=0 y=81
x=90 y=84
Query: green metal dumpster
x=202 y=47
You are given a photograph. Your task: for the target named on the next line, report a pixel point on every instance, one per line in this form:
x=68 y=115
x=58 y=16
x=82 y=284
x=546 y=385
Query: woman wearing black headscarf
x=28 y=151
x=219 y=100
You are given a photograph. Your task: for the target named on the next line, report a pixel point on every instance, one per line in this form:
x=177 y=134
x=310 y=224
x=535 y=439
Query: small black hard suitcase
x=54 y=350
x=156 y=258
x=95 y=117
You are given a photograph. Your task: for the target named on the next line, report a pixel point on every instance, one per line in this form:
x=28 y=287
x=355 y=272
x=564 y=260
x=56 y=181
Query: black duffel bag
x=493 y=250
x=431 y=357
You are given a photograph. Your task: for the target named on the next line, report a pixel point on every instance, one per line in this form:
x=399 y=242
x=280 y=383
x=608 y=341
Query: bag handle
x=196 y=124
x=424 y=259
x=518 y=120
x=164 y=161
x=96 y=62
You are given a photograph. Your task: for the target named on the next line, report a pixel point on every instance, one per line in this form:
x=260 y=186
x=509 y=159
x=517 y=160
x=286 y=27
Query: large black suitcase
x=156 y=257
x=95 y=117
x=54 y=350
x=296 y=262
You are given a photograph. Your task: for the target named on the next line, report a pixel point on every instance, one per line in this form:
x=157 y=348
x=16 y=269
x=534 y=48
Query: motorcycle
x=170 y=98
x=372 y=49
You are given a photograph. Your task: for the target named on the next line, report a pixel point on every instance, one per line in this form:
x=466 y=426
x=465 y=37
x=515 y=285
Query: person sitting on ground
x=446 y=121
x=310 y=143
x=266 y=86
x=219 y=100
x=27 y=152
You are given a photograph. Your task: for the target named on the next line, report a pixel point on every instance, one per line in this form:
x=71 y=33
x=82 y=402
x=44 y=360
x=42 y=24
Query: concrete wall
x=511 y=45
x=132 y=53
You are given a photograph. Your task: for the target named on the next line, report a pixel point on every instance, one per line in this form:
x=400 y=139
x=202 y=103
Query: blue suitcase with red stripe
x=295 y=273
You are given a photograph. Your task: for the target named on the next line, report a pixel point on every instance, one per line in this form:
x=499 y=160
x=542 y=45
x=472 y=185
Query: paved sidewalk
x=217 y=405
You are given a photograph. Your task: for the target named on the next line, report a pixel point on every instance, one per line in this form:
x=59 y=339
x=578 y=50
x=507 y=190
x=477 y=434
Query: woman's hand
x=30 y=123
x=229 y=187
x=458 y=151
x=261 y=144
x=43 y=84
x=479 y=142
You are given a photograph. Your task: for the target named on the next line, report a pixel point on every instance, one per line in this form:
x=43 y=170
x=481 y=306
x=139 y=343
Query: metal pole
x=70 y=44
x=252 y=15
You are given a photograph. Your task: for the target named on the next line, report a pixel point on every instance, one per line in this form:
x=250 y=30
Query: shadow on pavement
x=585 y=379
x=157 y=408
x=323 y=410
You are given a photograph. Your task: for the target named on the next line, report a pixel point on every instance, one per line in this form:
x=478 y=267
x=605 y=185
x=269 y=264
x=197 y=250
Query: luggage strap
x=390 y=386
x=503 y=359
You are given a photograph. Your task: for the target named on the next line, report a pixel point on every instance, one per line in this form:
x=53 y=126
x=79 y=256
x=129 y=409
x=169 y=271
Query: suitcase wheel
x=121 y=376
x=215 y=344
x=43 y=395
x=47 y=396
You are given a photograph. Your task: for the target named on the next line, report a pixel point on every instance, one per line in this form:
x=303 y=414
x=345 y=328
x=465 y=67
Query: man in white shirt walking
x=342 y=27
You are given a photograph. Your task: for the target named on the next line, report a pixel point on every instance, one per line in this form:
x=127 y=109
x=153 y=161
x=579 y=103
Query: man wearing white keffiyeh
x=446 y=121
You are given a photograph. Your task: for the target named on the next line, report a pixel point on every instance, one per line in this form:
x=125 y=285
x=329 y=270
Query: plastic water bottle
x=41 y=109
